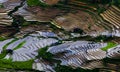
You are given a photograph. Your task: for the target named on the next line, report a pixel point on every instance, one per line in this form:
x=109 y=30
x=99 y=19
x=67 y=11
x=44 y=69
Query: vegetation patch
x=20 y=45
x=103 y=38
x=1 y=6
x=9 y=43
x=3 y=54
x=109 y=45
x=44 y=54
x=36 y=3
x=2 y=38
x=16 y=65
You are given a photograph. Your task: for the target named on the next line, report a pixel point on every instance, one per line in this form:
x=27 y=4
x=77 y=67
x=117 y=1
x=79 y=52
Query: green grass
x=36 y=3
x=1 y=6
x=88 y=3
x=26 y=23
x=100 y=10
x=3 y=54
x=9 y=43
x=45 y=55
x=109 y=45
x=20 y=45
x=16 y=65
x=33 y=2
x=2 y=38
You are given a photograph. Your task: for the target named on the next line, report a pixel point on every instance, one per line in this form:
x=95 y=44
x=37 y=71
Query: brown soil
x=80 y=20
x=50 y=2
x=44 y=14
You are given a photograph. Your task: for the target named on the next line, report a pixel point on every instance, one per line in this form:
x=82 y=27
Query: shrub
x=36 y=3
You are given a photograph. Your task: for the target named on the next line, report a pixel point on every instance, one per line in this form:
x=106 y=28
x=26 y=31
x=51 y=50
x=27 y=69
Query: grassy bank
x=15 y=65
x=109 y=45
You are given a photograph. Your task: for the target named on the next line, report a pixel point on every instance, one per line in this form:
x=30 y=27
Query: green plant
x=100 y=10
x=4 y=47
x=16 y=65
x=101 y=37
x=44 y=54
x=3 y=54
x=36 y=3
x=20 y=45
x=109 y=45
x=2 y=38
x=1 y=6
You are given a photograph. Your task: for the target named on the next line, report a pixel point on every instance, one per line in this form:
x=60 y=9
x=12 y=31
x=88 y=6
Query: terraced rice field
x=59 y=35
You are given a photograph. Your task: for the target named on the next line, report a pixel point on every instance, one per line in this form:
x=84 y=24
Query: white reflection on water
x=2 y=1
